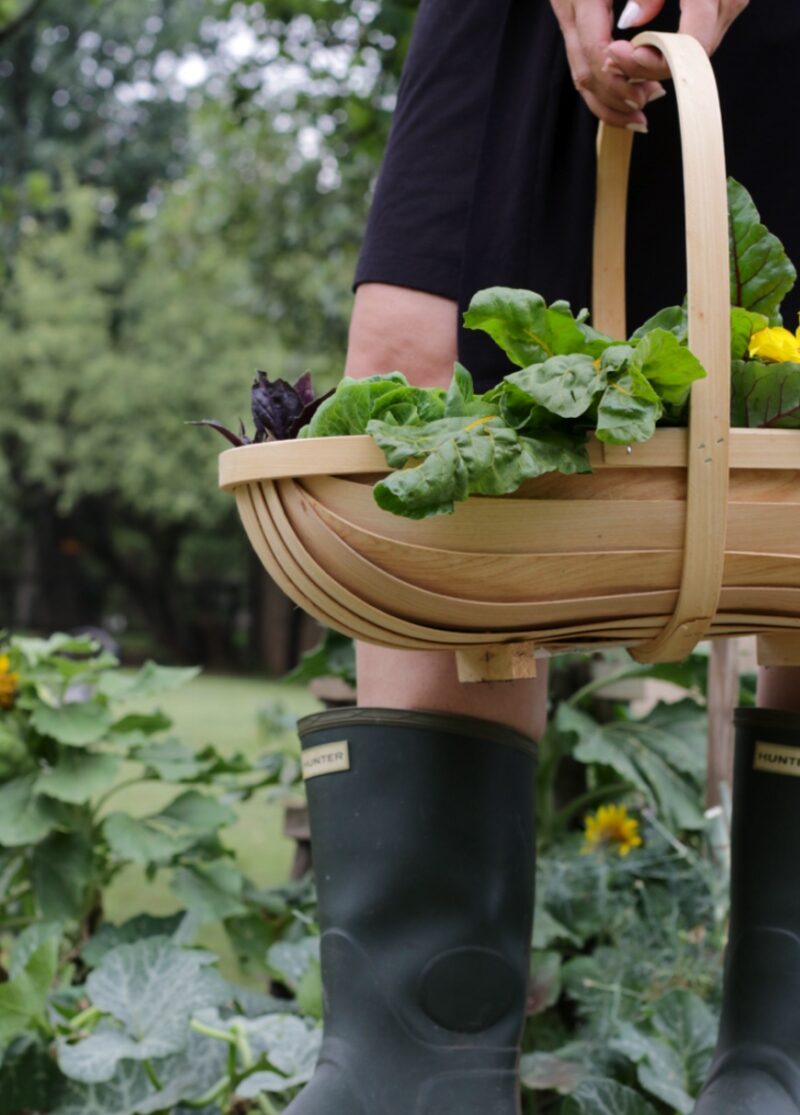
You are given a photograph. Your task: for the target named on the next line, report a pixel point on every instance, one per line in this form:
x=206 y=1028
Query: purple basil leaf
x=233 y=438
x=276 y=408
x=305 y=389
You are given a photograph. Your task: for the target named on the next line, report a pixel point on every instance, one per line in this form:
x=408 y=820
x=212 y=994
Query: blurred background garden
x=183 y=188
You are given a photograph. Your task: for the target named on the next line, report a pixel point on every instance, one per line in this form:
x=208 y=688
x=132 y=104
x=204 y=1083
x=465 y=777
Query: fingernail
x=634 y=105
x=636 y=80
x=640 y=128
x=609 y=68
x=659 y=93
x=631 y=15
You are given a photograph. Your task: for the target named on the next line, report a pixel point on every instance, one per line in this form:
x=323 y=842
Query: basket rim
x=358 y=454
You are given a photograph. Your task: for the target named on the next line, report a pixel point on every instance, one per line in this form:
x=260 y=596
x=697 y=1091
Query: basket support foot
x=496 y=662
x=778 y=649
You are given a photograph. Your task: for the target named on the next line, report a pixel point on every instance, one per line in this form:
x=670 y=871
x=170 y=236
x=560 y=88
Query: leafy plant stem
x=85 y=1018
x=214 y=1093
x=213 y=1032
x=561 y=819
x=601 y=682
x=152 y=1075
x=683 y=851
x=103 y=799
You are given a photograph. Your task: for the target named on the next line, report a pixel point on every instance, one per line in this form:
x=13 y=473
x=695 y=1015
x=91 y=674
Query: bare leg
x=397 y=329
x=779 y=687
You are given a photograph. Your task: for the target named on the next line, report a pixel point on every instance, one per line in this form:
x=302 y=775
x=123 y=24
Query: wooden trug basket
x=693 y=534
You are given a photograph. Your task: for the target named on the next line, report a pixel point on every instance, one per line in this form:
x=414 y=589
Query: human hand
x=706 y=20
x=587 y=29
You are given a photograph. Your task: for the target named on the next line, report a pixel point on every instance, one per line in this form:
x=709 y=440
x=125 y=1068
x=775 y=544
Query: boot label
x=777 y=759
x=327 y=758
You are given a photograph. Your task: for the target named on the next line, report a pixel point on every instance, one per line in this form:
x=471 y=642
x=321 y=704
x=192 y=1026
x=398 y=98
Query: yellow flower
x=8 y=682
x=776 y=344
x=611 y=828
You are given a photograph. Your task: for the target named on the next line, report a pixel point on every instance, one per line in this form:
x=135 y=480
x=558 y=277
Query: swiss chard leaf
x=674 y=319
x=564 y=385
x=761 y=272
x=667 y=365
x=628 y=410
x=353 y=404
x=464 y=458
x=529 y=331
x=765 y=395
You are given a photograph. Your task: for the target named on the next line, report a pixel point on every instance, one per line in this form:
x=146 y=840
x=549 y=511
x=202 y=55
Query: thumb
x=638 y=12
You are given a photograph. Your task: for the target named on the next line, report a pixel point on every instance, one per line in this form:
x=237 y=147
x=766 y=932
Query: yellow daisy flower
x=611 y=829
x=776 y=344
x=8 y=682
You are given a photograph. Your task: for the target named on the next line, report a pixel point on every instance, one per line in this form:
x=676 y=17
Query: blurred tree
x=182 y=201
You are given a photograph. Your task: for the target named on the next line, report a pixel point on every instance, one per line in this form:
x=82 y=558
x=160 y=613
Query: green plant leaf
x=675 y=319
x=564 y=385
x=75 y=724
x=184 y=1076
x=145 y=723
x=146 y=840
x=212 y=890
x=765 y=395
x=549 y=1072
x=109 y=936
x=529 y=331
x=31 y=1080
x=544 y=984
x=658 y=1067
x=605 y=1097
x=744 y=323
x=353 y=404
x=290 y=961
x=61 y=873
x=23 y=999
x=29 y=941
x=186 y=821
x=152 y=988
x=488 y=459
x=290 y=1045
x=149 y=681
x=628 y=411
x=641 y=755
x=688 y=1025
x=667 y=365
x=25 y=815
x=78 y=776
x=761 y=272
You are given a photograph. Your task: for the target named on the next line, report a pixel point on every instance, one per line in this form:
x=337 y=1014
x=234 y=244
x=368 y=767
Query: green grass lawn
x=223 y=711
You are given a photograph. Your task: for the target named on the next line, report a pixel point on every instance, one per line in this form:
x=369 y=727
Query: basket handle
x=706 y=205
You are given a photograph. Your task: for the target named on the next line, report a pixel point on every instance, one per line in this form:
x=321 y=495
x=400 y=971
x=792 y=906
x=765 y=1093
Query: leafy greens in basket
x=572 y=381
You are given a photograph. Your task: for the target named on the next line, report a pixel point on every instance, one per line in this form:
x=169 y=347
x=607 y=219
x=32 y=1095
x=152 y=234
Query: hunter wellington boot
x=756 y=1066
x=423 y=842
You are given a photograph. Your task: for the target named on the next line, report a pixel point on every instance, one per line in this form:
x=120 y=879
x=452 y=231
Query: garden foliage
x=135 y=1018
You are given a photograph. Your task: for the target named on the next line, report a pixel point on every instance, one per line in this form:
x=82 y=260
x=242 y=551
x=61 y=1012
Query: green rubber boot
x=423 y=837
x=756 y=1067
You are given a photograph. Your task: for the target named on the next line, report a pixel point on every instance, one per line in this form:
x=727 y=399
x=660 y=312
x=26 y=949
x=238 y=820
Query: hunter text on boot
x=327 y=758
x=778 y=759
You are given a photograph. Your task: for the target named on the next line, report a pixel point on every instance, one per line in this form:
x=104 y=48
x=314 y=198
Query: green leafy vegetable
x=761 y=272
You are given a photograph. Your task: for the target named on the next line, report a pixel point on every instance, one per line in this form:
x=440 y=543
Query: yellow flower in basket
x=611 y=828
x=776 y=344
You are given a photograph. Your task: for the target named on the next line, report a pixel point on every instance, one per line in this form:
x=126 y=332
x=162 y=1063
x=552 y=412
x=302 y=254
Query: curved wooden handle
x=705 y=197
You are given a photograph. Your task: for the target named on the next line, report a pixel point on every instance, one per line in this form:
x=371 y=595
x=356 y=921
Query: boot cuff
x=785 y=722
x=470 y=726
